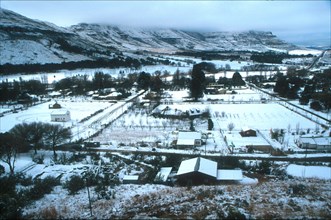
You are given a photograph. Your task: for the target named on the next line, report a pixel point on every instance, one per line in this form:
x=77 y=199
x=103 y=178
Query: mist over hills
x=27 y=41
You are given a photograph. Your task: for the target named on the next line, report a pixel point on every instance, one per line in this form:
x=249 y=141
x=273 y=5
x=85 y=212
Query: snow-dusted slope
x=125 y=38
x=28 y=41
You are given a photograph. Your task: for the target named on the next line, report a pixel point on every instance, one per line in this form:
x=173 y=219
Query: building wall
x=195 y=178
x=60 y=117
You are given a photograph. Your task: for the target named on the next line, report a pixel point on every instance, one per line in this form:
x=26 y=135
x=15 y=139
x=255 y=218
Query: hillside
x=28 y=41
x=278 y=199
x=170 y=40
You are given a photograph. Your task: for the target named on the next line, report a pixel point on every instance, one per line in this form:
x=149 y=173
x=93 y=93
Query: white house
x=189 y=139
x=60 y=115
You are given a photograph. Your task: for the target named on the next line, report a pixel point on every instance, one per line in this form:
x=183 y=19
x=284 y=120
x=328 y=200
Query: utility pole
x=89 y=197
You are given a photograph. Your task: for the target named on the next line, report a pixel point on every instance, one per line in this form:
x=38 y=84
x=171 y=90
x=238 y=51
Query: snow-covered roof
x=198 y=164
x=188 y=138
x=164 y=173
x=185 y=142
x=189 y=135
x=229 y=174
x=54 y=93
x=130 y=177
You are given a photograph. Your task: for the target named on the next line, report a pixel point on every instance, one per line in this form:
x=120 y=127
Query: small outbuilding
x=315 y=142
x=60 y=115
x=189 y=139
x=130 y=179
x=229 y=175
x=163 y=175
x=55 y=106
x=247 y=132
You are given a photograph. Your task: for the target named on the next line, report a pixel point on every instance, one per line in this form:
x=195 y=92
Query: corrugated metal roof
x=199 y=164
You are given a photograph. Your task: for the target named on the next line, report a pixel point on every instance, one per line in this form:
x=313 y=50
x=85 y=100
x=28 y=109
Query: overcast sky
x=294 y=21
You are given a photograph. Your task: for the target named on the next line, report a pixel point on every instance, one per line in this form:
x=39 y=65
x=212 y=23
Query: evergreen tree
x=237 y=79
x=198 y=81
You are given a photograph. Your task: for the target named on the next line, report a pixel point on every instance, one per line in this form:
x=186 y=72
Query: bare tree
x=230 y=126
x=30 y=134
x=56 y=134
x=289 y=128
x=9 y=148
x=297 y=128
x=164 y=124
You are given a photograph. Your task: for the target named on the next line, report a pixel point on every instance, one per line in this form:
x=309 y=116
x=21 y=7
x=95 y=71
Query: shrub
x=42 y=187
x=49 y=213
x=298 y=189
x=234 y=213
x=75 y=184
x=38 y=159
x=26 y=181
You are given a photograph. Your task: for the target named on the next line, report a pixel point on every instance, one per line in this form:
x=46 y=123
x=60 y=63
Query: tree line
x=115 y=62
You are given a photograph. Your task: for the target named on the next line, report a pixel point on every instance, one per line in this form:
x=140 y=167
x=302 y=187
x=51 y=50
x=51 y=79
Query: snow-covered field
x=79 y=109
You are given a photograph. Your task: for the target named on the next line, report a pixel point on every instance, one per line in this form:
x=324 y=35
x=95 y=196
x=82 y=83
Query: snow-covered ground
x=79 y=109
x=305 y=52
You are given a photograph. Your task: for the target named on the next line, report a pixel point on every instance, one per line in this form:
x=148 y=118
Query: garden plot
x=138 y=126
x=259 y=116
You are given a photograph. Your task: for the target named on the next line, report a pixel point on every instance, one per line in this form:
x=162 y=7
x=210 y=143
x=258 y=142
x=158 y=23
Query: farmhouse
x=199 y=170
x=188 y=139
x=60 y=115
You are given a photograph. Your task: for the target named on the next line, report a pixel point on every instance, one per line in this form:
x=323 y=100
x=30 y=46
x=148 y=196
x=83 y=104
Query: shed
x=60 y=116
x=197 y=171
x=247 y=132
x=229 y=175
x=316 y=142
x=163 y=174
x=54 y=106
x=189 y=139
x=128 y=179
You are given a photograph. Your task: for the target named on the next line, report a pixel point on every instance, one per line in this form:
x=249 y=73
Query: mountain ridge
x=28 y=41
